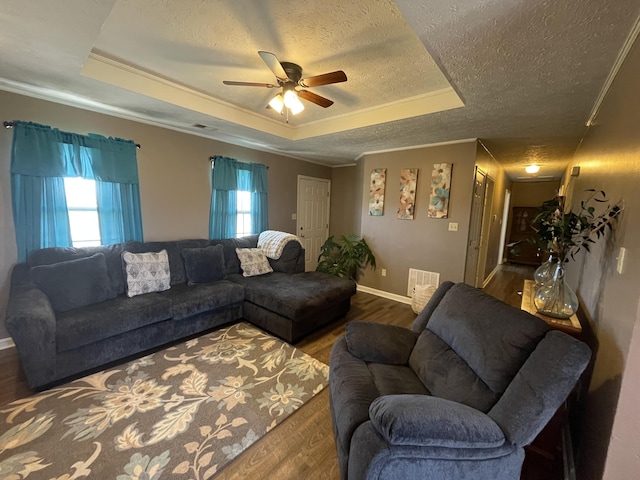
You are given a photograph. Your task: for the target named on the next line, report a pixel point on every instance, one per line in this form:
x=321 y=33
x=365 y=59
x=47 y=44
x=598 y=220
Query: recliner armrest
x=422 y=420
x=380 y=343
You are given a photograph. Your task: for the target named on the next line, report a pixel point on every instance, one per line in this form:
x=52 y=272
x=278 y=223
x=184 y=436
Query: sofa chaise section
x=293 y=305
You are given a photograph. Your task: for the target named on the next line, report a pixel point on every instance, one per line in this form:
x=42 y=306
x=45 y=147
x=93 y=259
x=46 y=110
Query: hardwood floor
x=303 y=446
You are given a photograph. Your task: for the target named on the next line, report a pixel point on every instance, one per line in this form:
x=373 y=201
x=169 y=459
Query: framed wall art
x=376 y=191
x=408 y=183
x=440 y=189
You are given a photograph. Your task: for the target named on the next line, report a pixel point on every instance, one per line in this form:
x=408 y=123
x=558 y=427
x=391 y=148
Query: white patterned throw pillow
x=253 y=262
x=146 y=272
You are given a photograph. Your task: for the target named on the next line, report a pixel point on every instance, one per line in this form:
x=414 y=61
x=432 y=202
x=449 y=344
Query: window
x=83 y=211
x=238 y=198
x=243 y=214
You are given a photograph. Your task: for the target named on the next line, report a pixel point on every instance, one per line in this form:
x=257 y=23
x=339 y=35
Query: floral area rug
x=184 y=412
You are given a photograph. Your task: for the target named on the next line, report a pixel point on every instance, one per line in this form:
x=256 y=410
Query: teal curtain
x=40 y=213
x=229 y=176
x=119 y=212
x=41 y=156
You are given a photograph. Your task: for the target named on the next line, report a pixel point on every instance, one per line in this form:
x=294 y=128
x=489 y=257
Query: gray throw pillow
x=74 y=283
x=253 y=262
x=204 y=265
x=146 y=272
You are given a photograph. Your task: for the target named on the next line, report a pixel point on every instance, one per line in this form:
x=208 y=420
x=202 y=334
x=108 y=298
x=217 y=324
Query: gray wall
x=423 y=243
x=174 y=175
x=609 y=157
x=346 y=191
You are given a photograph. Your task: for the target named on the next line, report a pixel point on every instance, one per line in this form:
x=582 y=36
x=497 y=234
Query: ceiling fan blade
x=313 y=98
x=324 y=79
x=249 y=84
x=274 y=65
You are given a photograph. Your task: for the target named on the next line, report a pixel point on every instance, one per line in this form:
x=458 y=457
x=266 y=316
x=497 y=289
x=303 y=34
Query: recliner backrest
x=473 y=346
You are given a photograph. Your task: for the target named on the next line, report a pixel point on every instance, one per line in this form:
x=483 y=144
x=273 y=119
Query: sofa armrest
x=422 y=420
x=31 y=322
x=380 y=343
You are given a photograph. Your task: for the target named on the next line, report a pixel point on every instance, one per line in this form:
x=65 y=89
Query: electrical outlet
x=384 y=272
x=453 y=226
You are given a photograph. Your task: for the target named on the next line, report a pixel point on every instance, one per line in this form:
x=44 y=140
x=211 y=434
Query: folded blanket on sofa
x=272 y=242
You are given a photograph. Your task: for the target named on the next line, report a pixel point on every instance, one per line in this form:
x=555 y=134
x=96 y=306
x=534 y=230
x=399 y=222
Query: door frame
x=475 y=229
x=503 y=229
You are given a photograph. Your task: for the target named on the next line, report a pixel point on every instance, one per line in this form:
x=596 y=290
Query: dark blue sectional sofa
x=54 y=345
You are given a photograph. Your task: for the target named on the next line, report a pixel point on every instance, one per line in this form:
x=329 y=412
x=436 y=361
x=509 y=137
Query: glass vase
x=554 y=297
x=545 y=271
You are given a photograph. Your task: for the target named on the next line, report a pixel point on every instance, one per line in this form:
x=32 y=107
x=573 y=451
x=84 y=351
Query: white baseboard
x=491 y=275
x=6 y=343
x=383 y=294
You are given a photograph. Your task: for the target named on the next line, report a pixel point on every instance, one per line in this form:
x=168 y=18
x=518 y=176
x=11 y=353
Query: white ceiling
x=521 y=75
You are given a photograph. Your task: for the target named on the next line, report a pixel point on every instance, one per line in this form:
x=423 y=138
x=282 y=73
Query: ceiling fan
x=289 y=76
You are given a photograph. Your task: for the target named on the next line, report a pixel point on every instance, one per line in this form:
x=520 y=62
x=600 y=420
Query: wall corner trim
x=622 y=55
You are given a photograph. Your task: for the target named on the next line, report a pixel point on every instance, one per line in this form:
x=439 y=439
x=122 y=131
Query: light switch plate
x=453 y=226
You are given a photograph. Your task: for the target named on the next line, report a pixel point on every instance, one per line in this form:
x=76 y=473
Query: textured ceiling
x=528 y=72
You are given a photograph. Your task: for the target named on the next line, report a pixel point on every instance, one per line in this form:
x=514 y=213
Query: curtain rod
x=10 y=125
x=212 y=159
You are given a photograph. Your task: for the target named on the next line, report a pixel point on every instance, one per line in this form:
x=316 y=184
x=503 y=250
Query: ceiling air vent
x=204 y=127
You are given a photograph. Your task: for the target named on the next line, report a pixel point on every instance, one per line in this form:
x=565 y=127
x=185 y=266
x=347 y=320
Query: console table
x=554 y=442
x=571 y=326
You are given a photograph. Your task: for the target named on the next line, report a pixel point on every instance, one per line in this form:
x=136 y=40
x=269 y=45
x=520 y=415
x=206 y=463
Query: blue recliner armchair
x=456 y=397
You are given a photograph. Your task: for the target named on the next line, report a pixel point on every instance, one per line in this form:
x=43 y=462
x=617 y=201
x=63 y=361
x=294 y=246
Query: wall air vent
x=421 y=277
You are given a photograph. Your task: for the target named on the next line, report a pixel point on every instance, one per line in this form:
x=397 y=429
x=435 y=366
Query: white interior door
x=313 y=217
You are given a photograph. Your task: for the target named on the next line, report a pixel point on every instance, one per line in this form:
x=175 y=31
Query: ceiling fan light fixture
x=533 y=168
x=292 y=102
x=277 y=103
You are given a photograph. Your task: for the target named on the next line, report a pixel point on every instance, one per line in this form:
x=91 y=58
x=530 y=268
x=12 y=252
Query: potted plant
x=345 y=257
x=563 y=233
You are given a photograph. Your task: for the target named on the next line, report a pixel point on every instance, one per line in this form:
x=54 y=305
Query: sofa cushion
x=493 y=338
x=85 y=325
x=74 y=283
x=174 y=256
x=446 y=375
x=146 y=272
x=295 y=296
x=112 y=255
x=395 y=380
x=288 y=260
x=204 y=265
x=231 y=262
x=190 y=300
x=253 y=262
x=379 y=342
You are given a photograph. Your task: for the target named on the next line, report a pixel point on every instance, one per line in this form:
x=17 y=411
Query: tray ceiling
x=523 y=76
